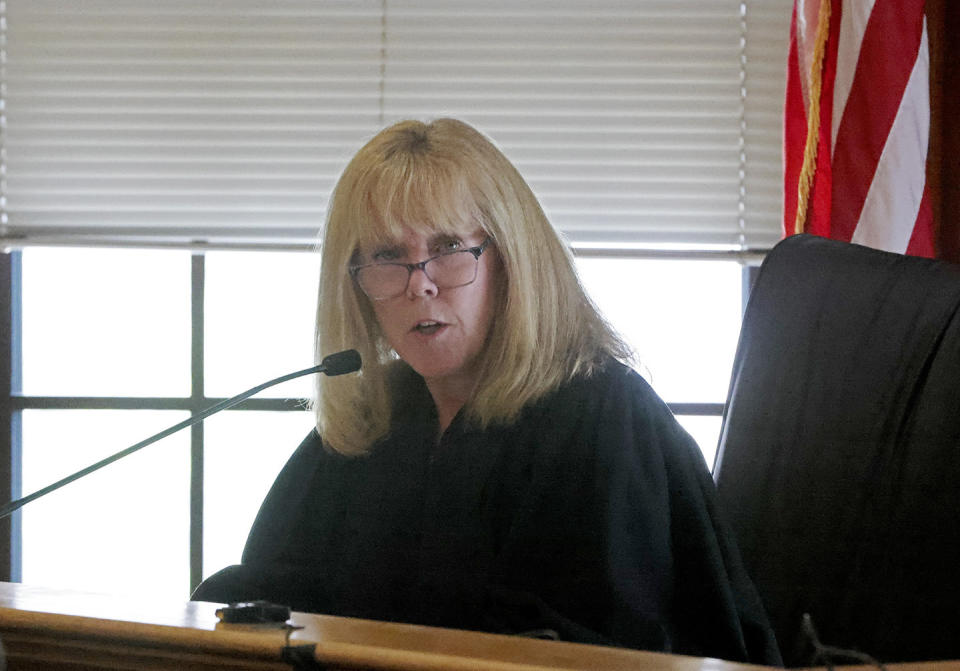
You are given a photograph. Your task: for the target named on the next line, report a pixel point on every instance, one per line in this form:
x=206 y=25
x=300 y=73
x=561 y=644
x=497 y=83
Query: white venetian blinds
x=225 y=122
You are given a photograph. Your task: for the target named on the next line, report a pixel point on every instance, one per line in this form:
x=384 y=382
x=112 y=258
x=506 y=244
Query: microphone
x=346 y=361
x=339 y=363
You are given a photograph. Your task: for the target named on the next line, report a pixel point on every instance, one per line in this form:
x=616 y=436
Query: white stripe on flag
x=853 y=24
x=807 y=14
x=893 y=200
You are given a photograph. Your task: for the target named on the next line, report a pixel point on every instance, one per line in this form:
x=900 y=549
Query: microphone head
x=339 y=363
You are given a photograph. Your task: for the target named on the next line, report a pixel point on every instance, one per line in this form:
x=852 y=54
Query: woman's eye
x=389 y=254
x=449 y=246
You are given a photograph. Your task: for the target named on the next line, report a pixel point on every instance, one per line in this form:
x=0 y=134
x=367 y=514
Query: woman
x=495 y=465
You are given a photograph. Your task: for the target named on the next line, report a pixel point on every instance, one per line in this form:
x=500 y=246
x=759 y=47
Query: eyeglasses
x=381 y=281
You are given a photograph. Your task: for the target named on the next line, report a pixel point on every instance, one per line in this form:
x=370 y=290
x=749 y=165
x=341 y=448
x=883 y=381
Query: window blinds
x=228 y=122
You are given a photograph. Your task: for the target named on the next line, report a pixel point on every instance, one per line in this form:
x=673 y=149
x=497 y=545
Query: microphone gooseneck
x=340 y=363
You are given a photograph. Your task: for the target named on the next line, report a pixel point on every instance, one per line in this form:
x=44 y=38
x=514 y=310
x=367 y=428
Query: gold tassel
x=813 y=119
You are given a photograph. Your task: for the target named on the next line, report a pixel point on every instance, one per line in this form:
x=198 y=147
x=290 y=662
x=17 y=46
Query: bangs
x=420 y=193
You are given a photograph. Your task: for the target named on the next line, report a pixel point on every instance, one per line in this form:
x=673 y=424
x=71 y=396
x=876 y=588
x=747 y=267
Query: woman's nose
x=420 y=284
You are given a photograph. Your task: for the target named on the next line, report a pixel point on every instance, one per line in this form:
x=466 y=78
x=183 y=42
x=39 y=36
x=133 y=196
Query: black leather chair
x=839 y=458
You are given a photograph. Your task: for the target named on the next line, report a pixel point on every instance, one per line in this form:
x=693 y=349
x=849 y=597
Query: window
x=683 y=319
x=108 y=531
x=107 y=363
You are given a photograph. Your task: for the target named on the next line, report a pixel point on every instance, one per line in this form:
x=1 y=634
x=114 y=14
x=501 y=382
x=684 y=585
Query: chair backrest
x=839 y=459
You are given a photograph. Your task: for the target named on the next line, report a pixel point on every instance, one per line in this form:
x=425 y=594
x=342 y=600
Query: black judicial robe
x=592 y=516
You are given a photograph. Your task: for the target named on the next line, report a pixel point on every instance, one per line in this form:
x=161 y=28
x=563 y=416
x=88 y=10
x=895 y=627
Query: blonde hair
x=439 y=177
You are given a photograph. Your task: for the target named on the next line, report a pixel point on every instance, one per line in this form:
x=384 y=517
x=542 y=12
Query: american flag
x=858 y=86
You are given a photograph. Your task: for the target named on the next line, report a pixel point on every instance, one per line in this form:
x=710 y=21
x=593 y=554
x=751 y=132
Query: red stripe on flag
x=794 y=132
x=921 y=241
x=887 y=56
x=821 y=195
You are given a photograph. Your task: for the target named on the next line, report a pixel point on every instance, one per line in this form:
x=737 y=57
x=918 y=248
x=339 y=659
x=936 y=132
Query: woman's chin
x=435 y=371
x=431 y=371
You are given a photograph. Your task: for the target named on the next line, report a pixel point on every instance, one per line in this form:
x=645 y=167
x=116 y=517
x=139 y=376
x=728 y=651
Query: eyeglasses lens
x=387 y=280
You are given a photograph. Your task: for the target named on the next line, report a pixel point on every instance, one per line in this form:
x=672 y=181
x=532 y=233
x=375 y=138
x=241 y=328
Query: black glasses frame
x=422 y=265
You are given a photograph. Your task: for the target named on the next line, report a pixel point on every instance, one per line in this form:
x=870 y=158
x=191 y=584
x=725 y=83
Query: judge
x=496 y=465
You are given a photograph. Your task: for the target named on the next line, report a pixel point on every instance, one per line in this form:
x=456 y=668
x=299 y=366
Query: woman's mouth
x=428 y=327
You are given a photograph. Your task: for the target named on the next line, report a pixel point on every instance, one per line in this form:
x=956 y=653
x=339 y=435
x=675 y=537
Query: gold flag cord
x=809 y=168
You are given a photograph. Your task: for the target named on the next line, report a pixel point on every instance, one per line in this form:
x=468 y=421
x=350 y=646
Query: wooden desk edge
x=62 y=618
